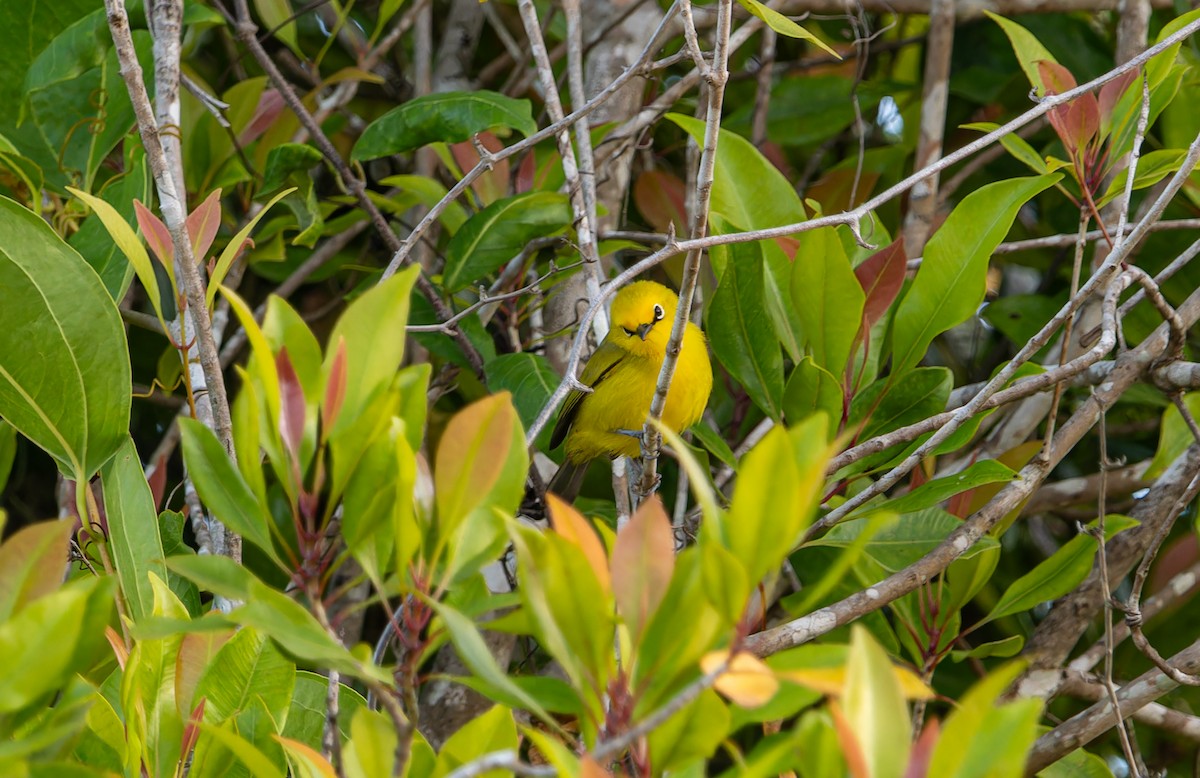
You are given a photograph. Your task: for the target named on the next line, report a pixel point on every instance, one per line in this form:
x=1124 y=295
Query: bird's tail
x=567 y=482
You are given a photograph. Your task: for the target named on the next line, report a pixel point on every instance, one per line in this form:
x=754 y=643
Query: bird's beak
x=644 y=330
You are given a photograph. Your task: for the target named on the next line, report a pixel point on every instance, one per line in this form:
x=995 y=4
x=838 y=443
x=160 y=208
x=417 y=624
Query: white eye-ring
x=658 y=312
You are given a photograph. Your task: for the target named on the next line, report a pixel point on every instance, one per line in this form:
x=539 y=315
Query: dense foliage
x=285 y=315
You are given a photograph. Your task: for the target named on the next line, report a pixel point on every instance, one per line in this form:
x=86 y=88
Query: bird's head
x=642 y=314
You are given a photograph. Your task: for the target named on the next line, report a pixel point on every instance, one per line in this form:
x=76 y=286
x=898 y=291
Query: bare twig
x=718 y=74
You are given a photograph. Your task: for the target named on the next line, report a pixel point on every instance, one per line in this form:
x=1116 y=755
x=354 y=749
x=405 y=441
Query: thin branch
x=718 y=75
x=853 y=218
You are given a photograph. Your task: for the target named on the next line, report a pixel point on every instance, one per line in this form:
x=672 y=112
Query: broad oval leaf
x=740 y=331
x=828 y=298
x=134 y=539
x=498 y=233
x=446 y=117
x=64 y=365
x=643 y=560
x=952 y=280
x=1058 y=574
x=748 y=191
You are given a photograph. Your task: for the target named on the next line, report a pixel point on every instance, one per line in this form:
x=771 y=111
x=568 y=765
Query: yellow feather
x=623 y=373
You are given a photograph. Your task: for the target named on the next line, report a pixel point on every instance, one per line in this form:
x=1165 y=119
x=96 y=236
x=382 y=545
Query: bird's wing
x=599 y=367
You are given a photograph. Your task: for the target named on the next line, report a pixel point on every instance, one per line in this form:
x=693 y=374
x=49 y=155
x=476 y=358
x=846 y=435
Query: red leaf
x=157 y=478
x=203 y=223
x=525 y=172
x=270 y=107
x=789 y=245
x=922 y=752
x=881 y=277
x=1083 y=120
x=1056 y=78
x=662 y=200
x=335 y=388
x=1112 y=92
x=291 y=404
x=156 y=234
x=643 y=559
x=191 y=732
x=493 y=184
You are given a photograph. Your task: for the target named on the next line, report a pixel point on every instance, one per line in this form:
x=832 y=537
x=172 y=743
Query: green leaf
x=372 y=747
x=1057 y=575
x=133 y=535
x=1015 y=145
x=491 y=731
x=422 y=190
x=952 y=280
x=68 y=104
x=889 y=403
x=93 y=241
x=981 y=737
x=929 y=494
x=277 y=20
x=694 y=732
x=1153 y=166
x=373 y=351
x=1029 y=50
x=783 y=25
x=446 y=117
x=779 y=483
x=500 y=232
x=1174 y=436
x=1004 y=648
x=572 y=614
x=222 y=487
x=902 y=540
x=875 y=708
x=530 y=379
x=828 y=298
x=64 y=366
x=306 y=715
x=740 y=331
x=51 y=639
x=478 y=658
x=247 y=668
x=812 y=389
x=712 y=442
x=748 y=191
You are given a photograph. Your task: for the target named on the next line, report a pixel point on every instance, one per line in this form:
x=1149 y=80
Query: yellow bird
x=622 y=374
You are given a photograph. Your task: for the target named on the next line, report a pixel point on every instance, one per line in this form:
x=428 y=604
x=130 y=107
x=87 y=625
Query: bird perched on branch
x=623 y=373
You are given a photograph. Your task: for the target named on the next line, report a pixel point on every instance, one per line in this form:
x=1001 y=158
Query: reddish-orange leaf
x=118 y=646
x=472 y=453
x=643 y=561
x=881 y=277
x=493 y=184
x=1056 y=77
x=270 y=107
x=156 y=234
x=590 y=768
x=203 y=223
x=191 y=732
x=335 y=388
x=196 y=651
x=291 y=404
x=856 y=761
x=526 y=170
x=157 y=479
x=575 y=529
x=922 y=753
x=1112 y=92
x=31 y=564
x=662 y=199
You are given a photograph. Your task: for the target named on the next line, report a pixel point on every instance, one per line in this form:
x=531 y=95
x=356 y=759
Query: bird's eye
x=658 y=312
x=628 y=332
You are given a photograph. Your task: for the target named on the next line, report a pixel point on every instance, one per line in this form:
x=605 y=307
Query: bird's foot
x=642 y=493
